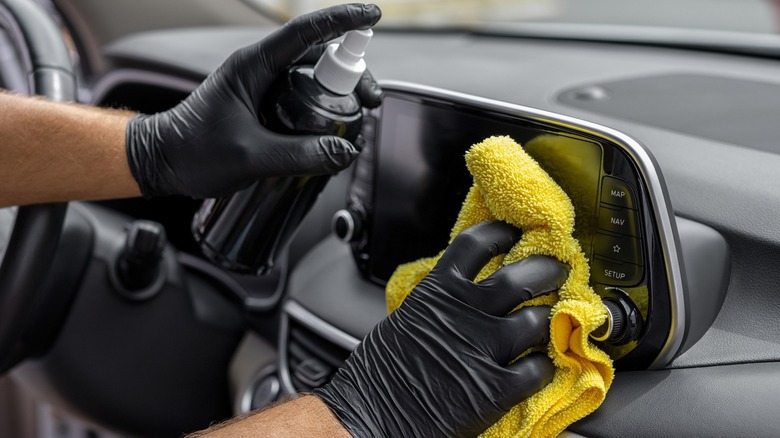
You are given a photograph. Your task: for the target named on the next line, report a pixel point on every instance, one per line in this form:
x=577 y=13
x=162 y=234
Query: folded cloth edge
x=510 y=185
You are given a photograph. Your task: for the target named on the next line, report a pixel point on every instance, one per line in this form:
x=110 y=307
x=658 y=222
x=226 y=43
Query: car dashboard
x=706 y=122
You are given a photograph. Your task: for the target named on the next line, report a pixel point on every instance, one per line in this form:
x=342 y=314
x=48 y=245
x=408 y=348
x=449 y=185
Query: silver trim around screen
x=648 y=169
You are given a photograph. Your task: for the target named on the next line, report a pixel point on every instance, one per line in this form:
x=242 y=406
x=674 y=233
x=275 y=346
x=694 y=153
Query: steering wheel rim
x=37 y=228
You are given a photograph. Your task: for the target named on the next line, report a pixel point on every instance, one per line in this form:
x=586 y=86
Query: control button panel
x=624 y=248
x=616 y=273
x=618 y=250
x=617 y=192
x=618 y=220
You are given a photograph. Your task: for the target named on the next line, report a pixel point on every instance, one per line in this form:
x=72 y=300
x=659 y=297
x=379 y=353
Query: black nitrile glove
x=439 y=365
x=212 y=143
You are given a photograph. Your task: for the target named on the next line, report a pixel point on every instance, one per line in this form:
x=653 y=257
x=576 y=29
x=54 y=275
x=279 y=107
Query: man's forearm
x=306 y=416
x=57 y=152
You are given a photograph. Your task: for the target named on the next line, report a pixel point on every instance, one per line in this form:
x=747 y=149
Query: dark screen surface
x=421 y=177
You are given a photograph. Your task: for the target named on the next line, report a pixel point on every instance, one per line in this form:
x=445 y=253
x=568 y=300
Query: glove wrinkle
x=438 y=366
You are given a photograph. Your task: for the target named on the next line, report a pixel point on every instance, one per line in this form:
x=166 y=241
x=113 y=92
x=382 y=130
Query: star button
x=616 y=249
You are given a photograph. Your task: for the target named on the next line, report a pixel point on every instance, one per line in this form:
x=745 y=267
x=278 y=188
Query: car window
x=760 y=16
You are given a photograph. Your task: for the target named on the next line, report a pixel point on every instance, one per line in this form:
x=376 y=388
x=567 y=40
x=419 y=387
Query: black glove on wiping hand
x=212 y=143
x=439 y=365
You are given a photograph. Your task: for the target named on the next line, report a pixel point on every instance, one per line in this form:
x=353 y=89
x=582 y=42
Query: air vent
x=312 y=359
x=311 y=349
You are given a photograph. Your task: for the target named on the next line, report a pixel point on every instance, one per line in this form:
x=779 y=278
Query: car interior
x=665 y=137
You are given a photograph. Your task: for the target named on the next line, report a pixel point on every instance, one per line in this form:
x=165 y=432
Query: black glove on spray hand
x=212 y=144
x=439 y=366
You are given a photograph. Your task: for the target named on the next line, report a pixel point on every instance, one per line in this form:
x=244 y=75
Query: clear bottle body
x=247 y=231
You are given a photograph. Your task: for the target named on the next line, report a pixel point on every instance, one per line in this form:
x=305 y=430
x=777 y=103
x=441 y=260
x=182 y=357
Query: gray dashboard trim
x=252 y=302
x=649 y=170
x=313 y=322
x=719 y=401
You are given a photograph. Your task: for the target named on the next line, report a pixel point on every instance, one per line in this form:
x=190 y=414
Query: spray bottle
x=247 y=231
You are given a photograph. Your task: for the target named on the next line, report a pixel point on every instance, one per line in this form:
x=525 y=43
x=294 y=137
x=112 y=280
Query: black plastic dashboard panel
x=623 y=219
x=145 y=368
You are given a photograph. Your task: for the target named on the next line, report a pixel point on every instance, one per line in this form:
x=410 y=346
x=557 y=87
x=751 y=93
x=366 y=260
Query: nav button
x=619 y=220
x=615 y=273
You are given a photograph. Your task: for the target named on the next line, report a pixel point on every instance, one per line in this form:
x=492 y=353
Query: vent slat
x=304 y=344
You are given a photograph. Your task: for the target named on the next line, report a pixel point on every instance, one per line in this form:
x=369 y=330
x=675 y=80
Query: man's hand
x=442 y=363
x=212 y=143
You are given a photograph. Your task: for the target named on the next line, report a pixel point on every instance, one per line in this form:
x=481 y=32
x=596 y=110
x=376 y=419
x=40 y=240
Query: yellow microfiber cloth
x=510 y=186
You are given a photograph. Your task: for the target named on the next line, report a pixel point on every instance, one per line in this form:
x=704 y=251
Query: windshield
x=755 y=16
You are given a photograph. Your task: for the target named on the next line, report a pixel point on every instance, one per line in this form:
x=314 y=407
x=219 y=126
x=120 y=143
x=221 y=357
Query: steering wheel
x=36 y=230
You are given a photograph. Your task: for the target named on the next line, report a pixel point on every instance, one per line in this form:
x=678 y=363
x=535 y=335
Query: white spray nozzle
x=341 y=66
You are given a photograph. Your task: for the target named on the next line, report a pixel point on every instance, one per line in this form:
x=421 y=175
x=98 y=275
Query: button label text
x=614 y=274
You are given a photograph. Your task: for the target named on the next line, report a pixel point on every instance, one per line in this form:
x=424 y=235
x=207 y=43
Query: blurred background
x=733 y=15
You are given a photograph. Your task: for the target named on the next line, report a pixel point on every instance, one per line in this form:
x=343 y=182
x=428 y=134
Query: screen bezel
x=656 y=199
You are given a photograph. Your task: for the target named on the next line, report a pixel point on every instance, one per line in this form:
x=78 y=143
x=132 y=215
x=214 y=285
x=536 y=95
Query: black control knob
x=266 y=392
x=347 y=225
x=624 y=321
x=138 y=265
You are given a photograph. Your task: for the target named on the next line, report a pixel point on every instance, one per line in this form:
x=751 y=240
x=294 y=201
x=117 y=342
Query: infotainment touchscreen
x=421 y=178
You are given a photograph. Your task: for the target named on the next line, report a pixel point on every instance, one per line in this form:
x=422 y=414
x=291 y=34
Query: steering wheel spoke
x=35 y=230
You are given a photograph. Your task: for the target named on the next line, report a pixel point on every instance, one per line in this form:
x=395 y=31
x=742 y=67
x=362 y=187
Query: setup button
x=616 y=273
x=617 y=192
